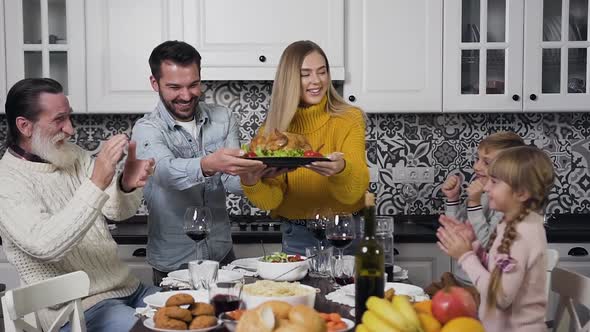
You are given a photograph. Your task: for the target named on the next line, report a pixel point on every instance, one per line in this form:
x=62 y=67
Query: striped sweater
x=52 y=222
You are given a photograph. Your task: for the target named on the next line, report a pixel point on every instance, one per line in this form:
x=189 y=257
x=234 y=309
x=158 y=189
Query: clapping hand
x=106 y=161
x=329 y=168
x=454 y=238
x=136 y=171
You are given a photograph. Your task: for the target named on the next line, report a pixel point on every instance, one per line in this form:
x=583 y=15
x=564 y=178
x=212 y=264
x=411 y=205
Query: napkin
x=246 y=273
x=172 y=283
x=400 y=276
x=145 y=312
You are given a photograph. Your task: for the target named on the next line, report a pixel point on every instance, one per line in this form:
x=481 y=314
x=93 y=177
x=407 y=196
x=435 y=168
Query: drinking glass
x=202 y=273
x=317 y=224
x=342 y=270
x=319 y=263
x=226 y=295
x=340 y=231
x=197 y=223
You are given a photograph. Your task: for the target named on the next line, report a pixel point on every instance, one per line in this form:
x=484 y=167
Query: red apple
x=452 y=302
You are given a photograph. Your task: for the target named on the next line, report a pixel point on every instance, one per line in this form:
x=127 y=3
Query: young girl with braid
x=510 y=273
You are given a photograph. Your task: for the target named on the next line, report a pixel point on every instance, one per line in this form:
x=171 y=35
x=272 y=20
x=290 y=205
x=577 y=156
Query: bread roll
x=257 y=320
x=289 y=326
x=308 y=318
x=279 y=308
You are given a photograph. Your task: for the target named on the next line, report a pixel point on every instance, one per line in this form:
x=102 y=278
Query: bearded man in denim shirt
x=196 y=149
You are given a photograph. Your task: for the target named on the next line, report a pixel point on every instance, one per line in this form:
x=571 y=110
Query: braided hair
x=524 y=169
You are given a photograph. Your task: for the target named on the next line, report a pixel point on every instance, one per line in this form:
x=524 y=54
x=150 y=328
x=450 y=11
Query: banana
x=361 y=328
x=405 y=308
x=374 y=324
x=386 y=312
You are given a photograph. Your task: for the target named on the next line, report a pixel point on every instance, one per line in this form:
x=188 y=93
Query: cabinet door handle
x=141 y=252
x=262 y=58
x=578 y=251
x=395 y=252
x=533 y=96
x=515 y=97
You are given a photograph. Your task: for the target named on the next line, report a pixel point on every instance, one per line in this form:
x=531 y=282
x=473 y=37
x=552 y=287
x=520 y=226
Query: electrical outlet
x=413 y=174
x=373 y=174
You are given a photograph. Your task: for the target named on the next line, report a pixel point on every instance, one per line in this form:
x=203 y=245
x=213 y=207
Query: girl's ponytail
x=510 y=234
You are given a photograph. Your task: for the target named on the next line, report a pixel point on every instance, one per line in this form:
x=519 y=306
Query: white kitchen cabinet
x=513 y=56
x=244 y=40
x=238 y=40
x=556 y=56
x=45 y=38
x=483 y=43
x=394 y=55
x=425 y=262
x=121 y=35
x=134 y=256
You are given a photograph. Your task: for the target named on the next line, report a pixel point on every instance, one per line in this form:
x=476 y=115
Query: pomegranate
x=453 y=302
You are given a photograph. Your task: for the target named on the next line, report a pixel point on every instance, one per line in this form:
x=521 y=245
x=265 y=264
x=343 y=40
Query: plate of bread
x=182 y=313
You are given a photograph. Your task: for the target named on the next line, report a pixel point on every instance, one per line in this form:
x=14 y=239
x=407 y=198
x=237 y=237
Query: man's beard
x=62 y=156
x=179 y=116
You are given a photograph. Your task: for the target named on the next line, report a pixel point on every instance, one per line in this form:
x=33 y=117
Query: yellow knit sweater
x=296 y=194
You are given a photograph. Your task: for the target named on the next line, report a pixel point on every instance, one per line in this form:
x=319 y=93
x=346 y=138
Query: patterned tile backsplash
x=445 y=142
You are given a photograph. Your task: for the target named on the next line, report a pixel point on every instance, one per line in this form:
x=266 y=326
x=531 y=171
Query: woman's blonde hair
x=286 y=90
x=501 y=140
x=525 y=169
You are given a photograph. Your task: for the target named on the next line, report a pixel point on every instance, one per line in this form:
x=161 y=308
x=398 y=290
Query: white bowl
x=253 y=301
x=278 y=271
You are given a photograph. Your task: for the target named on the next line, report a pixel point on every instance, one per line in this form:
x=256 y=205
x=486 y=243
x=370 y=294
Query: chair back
x=67 y=289
x=572 y=288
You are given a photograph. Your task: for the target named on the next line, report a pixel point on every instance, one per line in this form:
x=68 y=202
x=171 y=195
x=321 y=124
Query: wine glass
x=197 y=223
x=340 y=231
x=317 y=224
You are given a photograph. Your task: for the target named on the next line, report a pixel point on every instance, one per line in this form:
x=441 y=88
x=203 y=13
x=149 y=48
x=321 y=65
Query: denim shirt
x=178 y=182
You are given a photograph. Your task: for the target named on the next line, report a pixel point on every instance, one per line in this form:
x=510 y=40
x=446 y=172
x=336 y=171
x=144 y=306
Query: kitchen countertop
x=564 y=228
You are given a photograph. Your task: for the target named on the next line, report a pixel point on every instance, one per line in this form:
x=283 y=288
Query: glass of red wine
x=342 y=270
x=226 y=295
x=317 y=224
x=197 y=223
x=340 y=231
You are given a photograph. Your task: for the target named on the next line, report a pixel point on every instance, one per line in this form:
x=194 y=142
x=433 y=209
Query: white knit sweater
x=52 y=222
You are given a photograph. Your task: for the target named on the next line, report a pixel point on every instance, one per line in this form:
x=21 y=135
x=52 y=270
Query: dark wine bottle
x=369 y=262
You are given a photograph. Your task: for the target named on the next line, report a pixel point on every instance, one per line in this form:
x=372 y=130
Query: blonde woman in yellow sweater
x=305 y=102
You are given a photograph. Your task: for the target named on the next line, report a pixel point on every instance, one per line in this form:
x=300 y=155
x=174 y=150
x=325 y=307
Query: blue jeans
x=297 y=237
x=114 y=315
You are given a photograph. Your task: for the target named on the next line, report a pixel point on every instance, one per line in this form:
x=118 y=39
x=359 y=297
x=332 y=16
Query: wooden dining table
x=321 y=303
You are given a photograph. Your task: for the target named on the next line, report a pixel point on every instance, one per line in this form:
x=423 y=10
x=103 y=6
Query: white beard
x=61 y=156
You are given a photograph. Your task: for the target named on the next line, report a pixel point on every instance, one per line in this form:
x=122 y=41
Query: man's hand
x=106 y=161
x=455 y=226
x=451 y=188
x=250 y=179
x=136 y=171
x=229 y=161
x=474 y=192
x=329 y=168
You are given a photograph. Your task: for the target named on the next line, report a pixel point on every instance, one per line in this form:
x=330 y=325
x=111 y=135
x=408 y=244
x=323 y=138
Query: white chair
x=573 y=288
x=552 y=259
x=22 y=301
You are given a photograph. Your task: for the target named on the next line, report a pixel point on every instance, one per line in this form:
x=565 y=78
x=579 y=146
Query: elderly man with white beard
x=53 y=202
